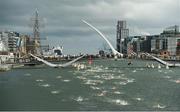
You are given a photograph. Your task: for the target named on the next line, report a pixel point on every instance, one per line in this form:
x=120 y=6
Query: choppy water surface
x=104 y=85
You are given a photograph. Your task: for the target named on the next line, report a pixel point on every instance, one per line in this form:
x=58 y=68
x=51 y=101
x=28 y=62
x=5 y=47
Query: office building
x=168 y=41
x=122 y=33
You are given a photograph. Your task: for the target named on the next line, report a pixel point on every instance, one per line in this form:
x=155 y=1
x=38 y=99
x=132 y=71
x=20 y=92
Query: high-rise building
x=122 y=33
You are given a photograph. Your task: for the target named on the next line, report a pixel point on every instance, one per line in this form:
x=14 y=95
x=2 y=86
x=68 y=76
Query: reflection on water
x=104 y=85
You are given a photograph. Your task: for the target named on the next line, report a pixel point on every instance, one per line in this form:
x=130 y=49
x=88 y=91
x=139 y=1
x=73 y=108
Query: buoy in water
x=90 y=60
x=167 y=67
x=159 y=66
x=129 y=63
x=152 y=65
x=147 y=65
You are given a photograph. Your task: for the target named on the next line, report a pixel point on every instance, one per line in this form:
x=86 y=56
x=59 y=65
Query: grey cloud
x=63 y=18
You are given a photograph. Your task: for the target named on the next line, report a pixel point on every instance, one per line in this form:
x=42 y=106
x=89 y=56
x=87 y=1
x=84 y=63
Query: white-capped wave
x=93 y=82
x=79 y=99
x=167 y=77
x=138 y=99
x=39 y=80
x=97 y=69
x=27 y=74
x=121 y=83
x=160 y=106
x=97 y=76
x=113 y=88
x=94 y=88
x=121 y=102
x=55 y=92
x=58 y=77
x=141 y=69
x=103 y=93
x=118 y=101
x=45 y=85
x=81 y=77
x=130 y=80
x=107 y=76
x=106 y=68
x=119 y=71
x=118 y=92
x=66 y=80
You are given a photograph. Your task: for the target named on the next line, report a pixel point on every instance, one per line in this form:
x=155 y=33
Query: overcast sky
x=63 y=26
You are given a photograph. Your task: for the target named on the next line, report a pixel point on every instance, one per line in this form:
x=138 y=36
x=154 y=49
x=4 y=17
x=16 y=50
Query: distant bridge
x=164 y=62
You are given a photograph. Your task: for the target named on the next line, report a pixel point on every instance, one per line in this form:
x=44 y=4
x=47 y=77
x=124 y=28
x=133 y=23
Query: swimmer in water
x=129 y=63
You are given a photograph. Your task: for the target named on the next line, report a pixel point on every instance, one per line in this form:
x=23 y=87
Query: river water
x=105 y=85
